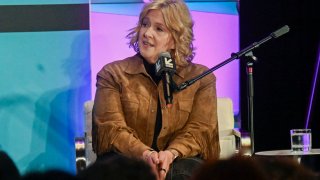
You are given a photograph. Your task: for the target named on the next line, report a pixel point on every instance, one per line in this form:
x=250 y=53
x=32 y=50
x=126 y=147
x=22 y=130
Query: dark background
x=283 y=75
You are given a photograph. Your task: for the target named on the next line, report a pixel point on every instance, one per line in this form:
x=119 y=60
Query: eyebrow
x=156 y=23
x=162 y=25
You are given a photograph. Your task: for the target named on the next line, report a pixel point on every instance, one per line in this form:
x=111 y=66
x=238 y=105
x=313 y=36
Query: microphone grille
x=165 y=54
x=165 y=64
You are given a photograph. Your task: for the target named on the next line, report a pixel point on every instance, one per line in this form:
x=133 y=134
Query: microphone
x=166 y=67
x=280 y=31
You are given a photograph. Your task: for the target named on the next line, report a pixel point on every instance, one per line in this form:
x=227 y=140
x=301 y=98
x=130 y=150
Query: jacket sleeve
x=200 y=134
x=109 y=129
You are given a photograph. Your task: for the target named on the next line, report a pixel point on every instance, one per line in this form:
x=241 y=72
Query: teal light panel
x=44 y=80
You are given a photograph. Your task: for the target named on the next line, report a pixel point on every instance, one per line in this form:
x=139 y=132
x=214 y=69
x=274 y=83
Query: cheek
x=171 y=44
x=140 y=34
x=140 y=37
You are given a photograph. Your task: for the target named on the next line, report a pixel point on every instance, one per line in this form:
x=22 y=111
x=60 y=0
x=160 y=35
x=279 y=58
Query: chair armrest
x=229 y=132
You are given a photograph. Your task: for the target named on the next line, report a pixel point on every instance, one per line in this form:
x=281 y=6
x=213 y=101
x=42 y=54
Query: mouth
x=146 y=43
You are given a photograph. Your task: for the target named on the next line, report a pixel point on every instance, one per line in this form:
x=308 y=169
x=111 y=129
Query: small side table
x=289 y=153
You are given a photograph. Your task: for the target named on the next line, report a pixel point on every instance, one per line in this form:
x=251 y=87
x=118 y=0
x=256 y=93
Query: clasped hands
x=159 y=161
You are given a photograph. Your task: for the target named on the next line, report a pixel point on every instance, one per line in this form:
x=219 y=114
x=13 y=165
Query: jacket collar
x=135 y=66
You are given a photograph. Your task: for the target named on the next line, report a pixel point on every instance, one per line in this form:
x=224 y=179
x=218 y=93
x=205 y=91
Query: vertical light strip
x=314 y=85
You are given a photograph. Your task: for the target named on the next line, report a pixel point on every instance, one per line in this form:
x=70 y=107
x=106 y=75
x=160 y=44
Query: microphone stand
x=248 y=53
x=251 y=59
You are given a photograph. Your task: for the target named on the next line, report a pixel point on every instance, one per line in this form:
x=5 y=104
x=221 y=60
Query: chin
x=149 y=59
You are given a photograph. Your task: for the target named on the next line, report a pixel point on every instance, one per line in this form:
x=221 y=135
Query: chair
x=89 y=154
x=229 y=137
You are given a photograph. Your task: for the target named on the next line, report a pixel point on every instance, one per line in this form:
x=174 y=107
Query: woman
x=130 y=113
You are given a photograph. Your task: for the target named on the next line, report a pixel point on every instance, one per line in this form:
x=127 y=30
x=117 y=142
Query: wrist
x=175 y=153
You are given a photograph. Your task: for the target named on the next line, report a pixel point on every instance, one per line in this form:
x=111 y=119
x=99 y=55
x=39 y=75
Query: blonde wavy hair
x=179 y=22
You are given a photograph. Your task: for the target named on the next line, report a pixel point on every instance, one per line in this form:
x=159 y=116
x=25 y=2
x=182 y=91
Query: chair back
x=225 y=122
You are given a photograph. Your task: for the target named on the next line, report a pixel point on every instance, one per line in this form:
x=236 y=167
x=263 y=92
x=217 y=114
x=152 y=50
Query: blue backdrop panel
x=135 y=8
x=44 y=81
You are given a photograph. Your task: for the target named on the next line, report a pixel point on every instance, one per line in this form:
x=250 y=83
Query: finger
x=162 y=173
x=165 y=159
x=149 y=160
x=155 y=158
x=154 y=167
x=162 y=157
x=155 y=171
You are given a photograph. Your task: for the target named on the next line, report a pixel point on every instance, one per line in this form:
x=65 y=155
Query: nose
x=148 y=32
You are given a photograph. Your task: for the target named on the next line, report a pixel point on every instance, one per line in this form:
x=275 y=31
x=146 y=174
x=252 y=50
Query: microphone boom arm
x=234 y=56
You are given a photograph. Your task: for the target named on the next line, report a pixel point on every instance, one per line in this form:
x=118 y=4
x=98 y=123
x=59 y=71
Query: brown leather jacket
x=125 y=109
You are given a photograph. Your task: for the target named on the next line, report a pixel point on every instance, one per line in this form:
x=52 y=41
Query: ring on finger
x=164 y=170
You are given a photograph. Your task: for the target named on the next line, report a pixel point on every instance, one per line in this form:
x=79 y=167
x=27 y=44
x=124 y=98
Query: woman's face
x=154 y=36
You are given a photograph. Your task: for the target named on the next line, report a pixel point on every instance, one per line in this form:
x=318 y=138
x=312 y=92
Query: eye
x=159 y=29
x=144 y=24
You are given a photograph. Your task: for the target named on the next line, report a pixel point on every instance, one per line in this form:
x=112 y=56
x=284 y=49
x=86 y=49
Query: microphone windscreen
x=280 y=31
x=165 y=54
x=165 y=64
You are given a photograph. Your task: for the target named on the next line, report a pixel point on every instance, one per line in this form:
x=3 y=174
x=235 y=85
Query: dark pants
x=181 y=168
